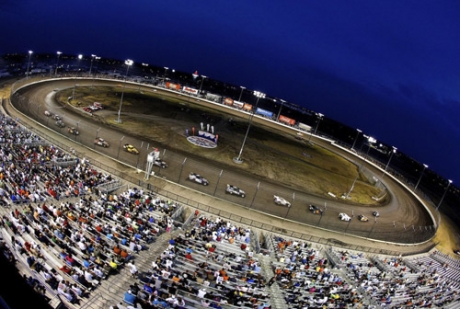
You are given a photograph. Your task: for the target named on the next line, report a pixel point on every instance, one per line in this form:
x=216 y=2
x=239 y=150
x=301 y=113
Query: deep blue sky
x=390 y=68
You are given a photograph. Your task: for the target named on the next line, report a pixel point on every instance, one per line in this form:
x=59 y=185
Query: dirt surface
x=447 y=237
x=267 y=153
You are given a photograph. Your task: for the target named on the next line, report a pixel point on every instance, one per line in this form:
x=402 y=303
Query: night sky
x=389 y=68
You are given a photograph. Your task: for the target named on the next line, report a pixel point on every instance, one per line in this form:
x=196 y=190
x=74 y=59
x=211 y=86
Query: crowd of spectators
x=331 y=278
x=209 y=265
x=74 y=236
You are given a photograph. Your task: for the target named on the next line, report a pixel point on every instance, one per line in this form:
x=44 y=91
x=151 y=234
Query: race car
x=232 y=190
x=363 y=218
x=315 y=209
x=160 y=163
x=101 y=142
x=73 y=131
x=344 y=217
x=198 y=179
x=60 y=123
x=281 y=201
x=130 y=148
x=376 y=214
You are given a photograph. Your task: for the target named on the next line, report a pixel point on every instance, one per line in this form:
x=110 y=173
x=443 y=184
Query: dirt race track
x=402 y=216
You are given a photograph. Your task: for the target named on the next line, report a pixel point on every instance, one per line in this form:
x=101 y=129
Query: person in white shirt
x=82 y=246
x=76 y=290
x=88 y=276
x=172 y=300
x=133 y=269
x=98 y=272
x=201 y=293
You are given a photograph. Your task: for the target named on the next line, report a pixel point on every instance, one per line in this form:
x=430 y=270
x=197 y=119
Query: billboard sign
x=286 y=120
x=170 y=85
x=264 y=112
x=247 y=107
x=238 y=104
x=190 y=90
x=228 y=101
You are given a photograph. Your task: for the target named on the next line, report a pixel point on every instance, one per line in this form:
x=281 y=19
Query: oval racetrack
x=403 y=217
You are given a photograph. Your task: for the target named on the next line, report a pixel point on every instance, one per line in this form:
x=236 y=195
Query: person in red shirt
x=116 y=250
x=69 y=260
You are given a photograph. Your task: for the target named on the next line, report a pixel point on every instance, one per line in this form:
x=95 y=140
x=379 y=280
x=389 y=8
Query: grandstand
x=85 y=239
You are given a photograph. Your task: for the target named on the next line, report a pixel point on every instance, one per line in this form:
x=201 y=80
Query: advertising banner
x=228 y=101
x=170 y=85
x=238 y=104
x=247 y=107
x=190 y=90
x=286 y=120
x=264 y=112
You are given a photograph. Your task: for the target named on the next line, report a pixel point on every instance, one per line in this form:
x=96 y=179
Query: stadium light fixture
x=391 y=156
x=128 y=63
x=421 y=175
x=259 y=95
x=57 y=62
x=28 y=64
x=358 y=131
x=444 y=195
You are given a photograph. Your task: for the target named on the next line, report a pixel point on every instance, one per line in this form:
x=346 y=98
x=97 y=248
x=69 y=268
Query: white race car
x=235 y=190
x=344 y=217
x=101 y=142
x=160 y=163
x=281 y=201
x=198 y=179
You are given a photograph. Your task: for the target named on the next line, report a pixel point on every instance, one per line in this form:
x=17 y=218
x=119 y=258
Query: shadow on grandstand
x=15 y=293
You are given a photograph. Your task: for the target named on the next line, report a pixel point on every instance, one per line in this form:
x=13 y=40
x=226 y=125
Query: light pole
x=241 y=93
x=164 y=78
x=80 y=56
x=356 y=138
x=289 y=207
x=352 y=186
x=370 y=140
x=281 y=107
x=139 y=155
x=259 y=95
x=320 y=116
x=28 y=64
x=254 y=198
x=202 y=81
x=373 y=225
x=57 y=62
x=119 y=146
x=128 y=64
x=444 y=195
x=181 y=168
x=421 y=175
x=391 y=156
x=91 y=65
x=218 y=180
x=76 y=133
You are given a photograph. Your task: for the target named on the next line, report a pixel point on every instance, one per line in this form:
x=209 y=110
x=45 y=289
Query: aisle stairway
x=276 y=294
